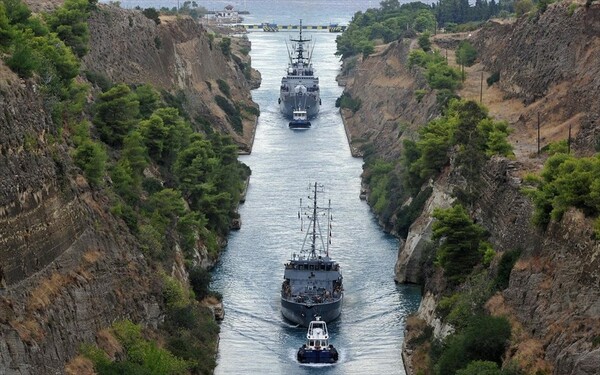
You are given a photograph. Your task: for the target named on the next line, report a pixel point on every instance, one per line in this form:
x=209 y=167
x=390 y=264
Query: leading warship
x=299 y=87
x=312 y=283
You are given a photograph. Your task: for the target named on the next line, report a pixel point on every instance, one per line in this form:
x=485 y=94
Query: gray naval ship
x=299 y=87
x=312 y=283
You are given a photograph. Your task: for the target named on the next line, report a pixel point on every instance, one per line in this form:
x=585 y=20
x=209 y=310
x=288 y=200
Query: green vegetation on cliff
x=465 y=131
x=460 y=242
x=392 y=21
x=174 y=188
x=566 y=181
x=388 y=23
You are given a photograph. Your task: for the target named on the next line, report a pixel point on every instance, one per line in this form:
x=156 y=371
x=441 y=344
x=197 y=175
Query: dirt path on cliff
x=524 y=135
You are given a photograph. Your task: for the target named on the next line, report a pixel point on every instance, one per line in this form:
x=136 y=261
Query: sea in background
x=255 y=338
x=285 y=12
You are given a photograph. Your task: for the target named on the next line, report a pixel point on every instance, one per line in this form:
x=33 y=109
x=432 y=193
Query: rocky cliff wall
x=553 y=298
x=67 y=268
x=385 y=85
x=177 y=55
x=38 y=213
x=551 y=62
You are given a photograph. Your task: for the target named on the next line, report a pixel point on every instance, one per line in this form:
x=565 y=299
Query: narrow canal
x=255 y=339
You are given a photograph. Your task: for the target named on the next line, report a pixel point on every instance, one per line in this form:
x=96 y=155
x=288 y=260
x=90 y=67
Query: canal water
x=255 y=339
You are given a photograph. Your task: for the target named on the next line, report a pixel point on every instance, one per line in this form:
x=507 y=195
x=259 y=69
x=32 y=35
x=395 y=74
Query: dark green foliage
x=224 y=87
x=480 y=368
x=425 y=42
x=439 y=74
x=225 y=46
x=566 y=181
x=466 y=125
x=153 y=14
x=444 y=97
x=164 y=208
x=98 y=79
x=200 y=281
x=177 y=100
x=409 y=213
x=507 y=262
x=232 y=112
x=459 y=241
x=148 y=98
x=23 y=62
x=142 y=357
x=116 y=113
x=466 y=54
x=91 y=158
x=389 y=23
x=543 y=5
x=5 y=29
x=523 y=7
x=484 y=339
x=347 y=101
x=452 y=12
x=151 y=185
x=128 y=215
x=495 y=77
x=192 y=337
x=17 y=12
x=69 y=22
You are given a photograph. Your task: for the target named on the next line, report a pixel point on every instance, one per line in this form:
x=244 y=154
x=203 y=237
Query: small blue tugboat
x=300 y=120
x=317 y=348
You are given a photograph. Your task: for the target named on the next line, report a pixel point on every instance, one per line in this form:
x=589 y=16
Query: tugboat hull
x=303 y=314
x=326 y=355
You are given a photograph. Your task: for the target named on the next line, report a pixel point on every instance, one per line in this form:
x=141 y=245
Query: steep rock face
x=385 y=86
x=60 y=249
x=38 y=213
x=551 y=62
x=408 y=265
x=177 y=55
x=554 y=291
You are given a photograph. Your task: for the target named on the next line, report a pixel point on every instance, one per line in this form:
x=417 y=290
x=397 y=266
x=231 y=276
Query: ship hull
x=303 y=314
x=310 y=103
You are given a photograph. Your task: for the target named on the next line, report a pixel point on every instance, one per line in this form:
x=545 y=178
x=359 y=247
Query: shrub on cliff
x=116 y=114
x=425 y=42
x=225 y=46
x=69 y=22
x=484 y=339
x=466 y=54
x=347 y=101
x=566 y=181
x=141 y=356
x=387 y=24
x=466 y=125
x=91 y=158
x=232 y=112
x=153 y=14
x=459 y=241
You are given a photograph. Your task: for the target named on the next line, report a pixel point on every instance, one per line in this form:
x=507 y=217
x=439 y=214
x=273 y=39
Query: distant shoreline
x=216 y=11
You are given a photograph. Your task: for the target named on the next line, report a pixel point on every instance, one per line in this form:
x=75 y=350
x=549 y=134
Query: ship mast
x=314 y=231
x=312 y=236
